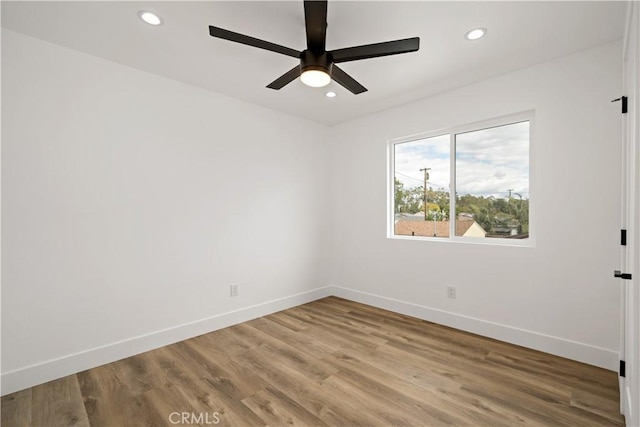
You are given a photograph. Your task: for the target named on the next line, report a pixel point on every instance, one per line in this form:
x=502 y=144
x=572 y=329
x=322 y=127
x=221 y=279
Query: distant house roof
x=464 y=227
x=410 y=217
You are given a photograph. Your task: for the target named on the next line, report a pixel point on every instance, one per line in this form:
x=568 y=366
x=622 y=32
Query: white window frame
x=452 y=132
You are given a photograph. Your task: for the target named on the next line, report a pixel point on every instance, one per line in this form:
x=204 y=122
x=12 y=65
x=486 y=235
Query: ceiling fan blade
x=346 y=81
x=315 y=18
x=251 y=41
x=285 y=79
x=375 y=50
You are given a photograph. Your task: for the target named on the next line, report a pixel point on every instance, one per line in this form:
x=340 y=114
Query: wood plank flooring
x=331 y=362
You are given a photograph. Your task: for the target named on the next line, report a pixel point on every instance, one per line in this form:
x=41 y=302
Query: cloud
x=489 y=162
x=431 y=153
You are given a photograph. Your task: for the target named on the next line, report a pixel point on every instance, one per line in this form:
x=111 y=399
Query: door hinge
x=623 y=100
x=623 y=237
x=626 y=276
x=623 y=368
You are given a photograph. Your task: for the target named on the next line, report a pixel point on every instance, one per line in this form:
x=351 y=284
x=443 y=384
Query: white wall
x=131 y=202
x=559 y=296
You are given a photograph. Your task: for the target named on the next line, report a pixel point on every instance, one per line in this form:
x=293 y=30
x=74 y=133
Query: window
x=465 y=183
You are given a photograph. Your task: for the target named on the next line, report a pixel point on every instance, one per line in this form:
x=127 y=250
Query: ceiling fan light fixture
x=315 y=78
x=150 y=17
x=475 y=33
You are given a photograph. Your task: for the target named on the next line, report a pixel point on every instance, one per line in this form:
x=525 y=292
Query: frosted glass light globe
x=315 y=78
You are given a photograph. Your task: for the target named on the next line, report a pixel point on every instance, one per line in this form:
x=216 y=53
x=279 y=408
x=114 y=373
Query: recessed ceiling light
x=330 y=94
x=475 y=34
x=150 y=17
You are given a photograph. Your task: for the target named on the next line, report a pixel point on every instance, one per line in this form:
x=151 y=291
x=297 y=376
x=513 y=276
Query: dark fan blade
x=251 y=41
x=315 y=18
x=285 y=79
x=375 y=50
x=346 y=81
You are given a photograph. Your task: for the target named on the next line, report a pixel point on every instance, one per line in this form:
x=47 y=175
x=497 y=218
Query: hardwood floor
x=331 y=362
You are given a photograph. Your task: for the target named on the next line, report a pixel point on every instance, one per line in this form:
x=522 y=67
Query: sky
x=488 y=162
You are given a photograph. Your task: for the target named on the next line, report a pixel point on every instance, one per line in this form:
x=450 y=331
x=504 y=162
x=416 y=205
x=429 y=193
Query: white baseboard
x=30 y=376
x=592 y=355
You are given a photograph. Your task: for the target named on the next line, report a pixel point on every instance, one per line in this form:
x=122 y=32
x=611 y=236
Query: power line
x=410 y=177
x=435 y=184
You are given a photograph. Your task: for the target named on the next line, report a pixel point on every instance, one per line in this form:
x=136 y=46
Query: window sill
x=523 y=243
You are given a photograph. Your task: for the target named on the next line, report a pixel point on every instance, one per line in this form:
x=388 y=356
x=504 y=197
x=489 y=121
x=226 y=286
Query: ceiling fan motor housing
x=315 y=61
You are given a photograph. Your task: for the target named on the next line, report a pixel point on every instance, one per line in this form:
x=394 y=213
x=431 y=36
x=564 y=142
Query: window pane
x=414 y=161
x=492 y=182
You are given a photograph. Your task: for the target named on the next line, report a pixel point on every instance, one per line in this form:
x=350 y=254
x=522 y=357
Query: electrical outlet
x=234 y=290
x=451 y=292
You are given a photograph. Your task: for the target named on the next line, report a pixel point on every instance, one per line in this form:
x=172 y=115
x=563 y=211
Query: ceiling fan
x=317 y=65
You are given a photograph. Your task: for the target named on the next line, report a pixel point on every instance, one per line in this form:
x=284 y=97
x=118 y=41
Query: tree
x=496 y=215
x=398 y=191
x=407 y=200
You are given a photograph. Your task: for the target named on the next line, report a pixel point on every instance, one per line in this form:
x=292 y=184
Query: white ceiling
x=519 y=34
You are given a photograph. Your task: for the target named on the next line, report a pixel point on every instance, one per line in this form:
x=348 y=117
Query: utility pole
x=510 y=191
x=426 y=178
